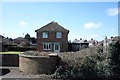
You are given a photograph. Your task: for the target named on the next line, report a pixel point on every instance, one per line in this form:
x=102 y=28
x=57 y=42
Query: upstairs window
x=45 y=35
x=58 y=35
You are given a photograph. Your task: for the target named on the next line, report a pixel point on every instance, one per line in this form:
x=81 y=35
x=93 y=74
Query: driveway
x=14 y=72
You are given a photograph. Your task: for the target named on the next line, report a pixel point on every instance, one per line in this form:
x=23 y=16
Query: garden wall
x=10 y=60
x=38 y=64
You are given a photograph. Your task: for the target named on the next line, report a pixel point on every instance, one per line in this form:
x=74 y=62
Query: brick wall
x=52 y=38
x=38 y=65
x=10 y=60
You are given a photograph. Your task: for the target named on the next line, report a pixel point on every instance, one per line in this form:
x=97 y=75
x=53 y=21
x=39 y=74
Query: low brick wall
x=9 y=60
x=38 y=64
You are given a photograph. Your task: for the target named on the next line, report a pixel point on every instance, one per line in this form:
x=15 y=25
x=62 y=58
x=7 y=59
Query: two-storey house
x=52 y=37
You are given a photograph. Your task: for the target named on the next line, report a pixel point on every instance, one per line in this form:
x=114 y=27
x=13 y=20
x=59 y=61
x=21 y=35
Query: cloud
x=22 y=22
x=112 y=11
x=94 y=36
x=92 y=25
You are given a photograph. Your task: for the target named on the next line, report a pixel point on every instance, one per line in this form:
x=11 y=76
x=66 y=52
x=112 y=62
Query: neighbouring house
x=20 y=41
x=78 y=45
x=52 y=37
x=78 y=41
x=0 y=43
x=111 y=40
x=6 y=42
x=92 y=42
x=108 y=41
x=116 y=39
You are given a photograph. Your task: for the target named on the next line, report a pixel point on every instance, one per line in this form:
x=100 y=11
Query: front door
x=56 y=47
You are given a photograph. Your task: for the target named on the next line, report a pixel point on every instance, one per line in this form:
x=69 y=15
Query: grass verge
x=12 y=52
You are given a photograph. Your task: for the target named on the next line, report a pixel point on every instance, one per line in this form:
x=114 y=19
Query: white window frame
x=58 y=34
x=47 y=46
x=44 y=34
x=57 y=50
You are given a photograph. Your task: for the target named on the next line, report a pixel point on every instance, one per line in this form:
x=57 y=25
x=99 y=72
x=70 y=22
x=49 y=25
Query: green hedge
x=20 y=48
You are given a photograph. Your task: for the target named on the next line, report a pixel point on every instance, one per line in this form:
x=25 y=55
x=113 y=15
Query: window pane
x=44 y=46
x=56 y=47
x=47 y=46
x=45 y=34
x=59 y=35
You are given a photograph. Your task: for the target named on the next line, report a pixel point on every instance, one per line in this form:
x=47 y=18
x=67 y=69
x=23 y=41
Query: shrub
x=114 y=51
x=12 y=48
x=88 y=63
x=37 y=53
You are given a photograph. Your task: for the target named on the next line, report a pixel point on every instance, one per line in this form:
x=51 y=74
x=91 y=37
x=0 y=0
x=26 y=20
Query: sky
x=84 y=19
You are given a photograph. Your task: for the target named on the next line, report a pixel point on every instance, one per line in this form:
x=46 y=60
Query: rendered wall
x=38 y=64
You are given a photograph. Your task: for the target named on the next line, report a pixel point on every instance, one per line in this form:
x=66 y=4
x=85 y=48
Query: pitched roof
x=19 y=38
x=117 y=38
x=53 y=26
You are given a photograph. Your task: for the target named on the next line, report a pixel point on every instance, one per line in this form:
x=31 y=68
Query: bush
x=115 y=59
x=37 y=53
x=88 y=63
x=12 y=48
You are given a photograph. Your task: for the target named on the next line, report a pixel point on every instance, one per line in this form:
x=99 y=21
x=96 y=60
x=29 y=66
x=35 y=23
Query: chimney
x=80 y=38
x=111 y=37
x=91 y=38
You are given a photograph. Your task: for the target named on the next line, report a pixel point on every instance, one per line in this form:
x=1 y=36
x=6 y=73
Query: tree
x=27 y=36
x=115 y=53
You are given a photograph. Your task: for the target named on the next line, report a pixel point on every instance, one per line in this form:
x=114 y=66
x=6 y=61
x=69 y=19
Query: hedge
x=90 y=64
x=20 y=48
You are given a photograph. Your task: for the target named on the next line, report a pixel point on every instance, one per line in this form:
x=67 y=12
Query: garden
x=90 y=63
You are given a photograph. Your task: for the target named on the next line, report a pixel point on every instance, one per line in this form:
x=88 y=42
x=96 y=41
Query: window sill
x=47 y=49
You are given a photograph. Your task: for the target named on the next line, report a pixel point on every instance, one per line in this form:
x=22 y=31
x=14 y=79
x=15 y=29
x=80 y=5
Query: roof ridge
x=52 y=25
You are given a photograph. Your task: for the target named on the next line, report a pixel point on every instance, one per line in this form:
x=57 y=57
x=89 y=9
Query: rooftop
x=52 y=26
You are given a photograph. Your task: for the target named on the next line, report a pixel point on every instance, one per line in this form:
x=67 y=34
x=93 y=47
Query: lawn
x=12 y=52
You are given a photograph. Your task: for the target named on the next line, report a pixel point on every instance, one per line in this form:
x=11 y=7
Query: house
x=108 y=41
x=78 y=45
x=78 y=41
x=116 y=39
x=52 y=37
x=92 y=42
x=20 y=41
x=0 y=43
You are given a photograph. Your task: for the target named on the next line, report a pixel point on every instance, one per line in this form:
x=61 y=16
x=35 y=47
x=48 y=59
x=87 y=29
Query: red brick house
x=52 y=37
